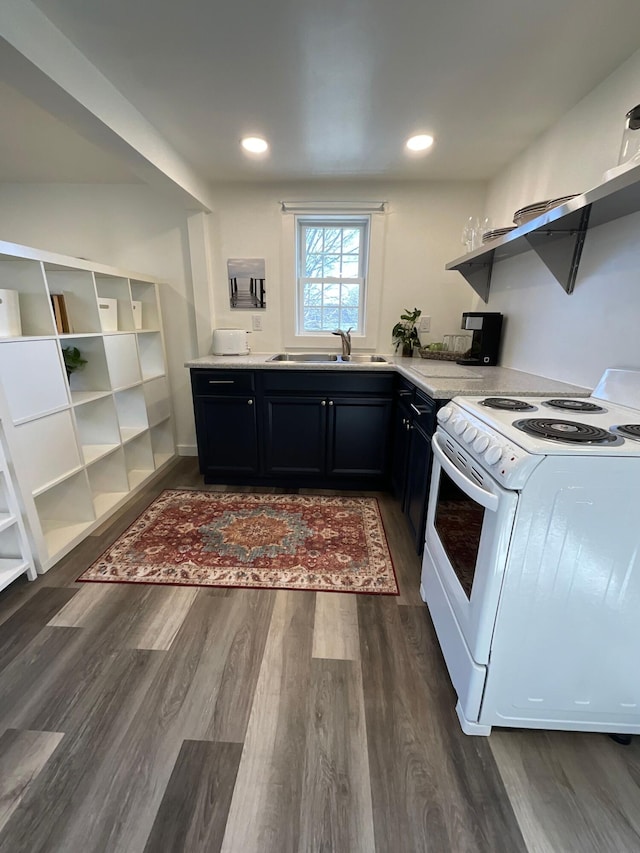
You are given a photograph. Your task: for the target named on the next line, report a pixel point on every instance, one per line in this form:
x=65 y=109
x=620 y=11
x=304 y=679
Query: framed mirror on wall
x=247 y=283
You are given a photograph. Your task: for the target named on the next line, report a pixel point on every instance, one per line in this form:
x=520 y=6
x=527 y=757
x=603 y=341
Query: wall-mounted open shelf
x=556 y=236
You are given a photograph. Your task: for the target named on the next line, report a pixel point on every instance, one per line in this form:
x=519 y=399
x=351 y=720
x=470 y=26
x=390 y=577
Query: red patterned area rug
x=305 y=542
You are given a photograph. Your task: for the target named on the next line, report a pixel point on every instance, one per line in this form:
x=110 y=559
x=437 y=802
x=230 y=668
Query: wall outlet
x=256 y=322
x=425 y=324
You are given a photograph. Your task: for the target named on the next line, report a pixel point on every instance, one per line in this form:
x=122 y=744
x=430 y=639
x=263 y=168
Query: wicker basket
x=440 y=355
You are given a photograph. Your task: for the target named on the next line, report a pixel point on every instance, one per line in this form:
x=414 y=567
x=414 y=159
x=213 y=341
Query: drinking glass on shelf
x=448 y=342
x=470 y=232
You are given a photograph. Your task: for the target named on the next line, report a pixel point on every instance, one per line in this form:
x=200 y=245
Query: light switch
x=425 y=324
x=256 y=322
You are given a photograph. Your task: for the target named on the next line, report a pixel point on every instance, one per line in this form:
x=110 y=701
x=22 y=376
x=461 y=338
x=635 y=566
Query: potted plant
x=73 y=360
x=405 y=332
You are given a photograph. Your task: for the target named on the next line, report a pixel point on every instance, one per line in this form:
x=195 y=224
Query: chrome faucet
x=346 y=341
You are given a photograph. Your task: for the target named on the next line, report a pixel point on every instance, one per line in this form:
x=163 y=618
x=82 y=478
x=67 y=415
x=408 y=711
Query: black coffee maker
x=485 y=344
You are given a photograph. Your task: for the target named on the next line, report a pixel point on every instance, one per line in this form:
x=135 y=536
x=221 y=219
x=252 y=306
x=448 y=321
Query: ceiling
x=336 y=86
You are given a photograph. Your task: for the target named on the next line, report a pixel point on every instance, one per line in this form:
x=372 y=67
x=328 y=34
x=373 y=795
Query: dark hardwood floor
x=159 y=719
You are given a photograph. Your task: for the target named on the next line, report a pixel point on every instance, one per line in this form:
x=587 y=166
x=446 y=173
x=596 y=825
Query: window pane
x=351 y=240
x=349 y=318
x=333 y=239
x=331 y=319
x=350 y=266
x=332 y=265
x=314 y=239
x=350 y=294
x=313 y=265
x=312 y=319
x=332 y=294
x=312 y=294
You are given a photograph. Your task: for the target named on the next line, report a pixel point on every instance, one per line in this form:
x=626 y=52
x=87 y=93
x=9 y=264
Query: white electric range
x=531 y=567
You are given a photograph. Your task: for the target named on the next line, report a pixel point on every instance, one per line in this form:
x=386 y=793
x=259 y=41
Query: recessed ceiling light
x=420 y=142
x=254 y=144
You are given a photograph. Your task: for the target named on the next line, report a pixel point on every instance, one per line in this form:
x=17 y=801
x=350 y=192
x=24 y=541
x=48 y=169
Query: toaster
x=230 y=342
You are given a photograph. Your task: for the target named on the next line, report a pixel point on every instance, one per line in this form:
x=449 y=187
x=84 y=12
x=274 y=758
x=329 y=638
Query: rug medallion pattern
x=201 y=538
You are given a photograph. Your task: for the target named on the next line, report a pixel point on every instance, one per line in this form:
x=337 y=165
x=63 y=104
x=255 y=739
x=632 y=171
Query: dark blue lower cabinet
x=358 y=432
x=299 y=428
x=294 y=435
x=227 y=431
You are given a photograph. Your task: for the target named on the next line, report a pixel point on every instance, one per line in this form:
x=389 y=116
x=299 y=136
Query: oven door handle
x=482 y=496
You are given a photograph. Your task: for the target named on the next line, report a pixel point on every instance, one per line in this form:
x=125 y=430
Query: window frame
x=285 y=287
x=360 y=221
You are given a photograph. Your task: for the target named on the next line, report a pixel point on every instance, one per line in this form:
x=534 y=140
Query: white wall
x=126 y=226
x=423 y=229
x=133 y=227
x=572 y=338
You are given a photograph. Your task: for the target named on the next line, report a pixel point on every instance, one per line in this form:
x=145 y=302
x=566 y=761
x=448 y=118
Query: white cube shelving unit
x=79 y=445
x=15 y=553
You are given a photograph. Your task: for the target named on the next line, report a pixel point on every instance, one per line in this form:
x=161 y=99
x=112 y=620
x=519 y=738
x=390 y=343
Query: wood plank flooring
x=146 y=719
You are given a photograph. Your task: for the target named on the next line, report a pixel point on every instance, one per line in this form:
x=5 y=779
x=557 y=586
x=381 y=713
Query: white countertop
x=441 y=380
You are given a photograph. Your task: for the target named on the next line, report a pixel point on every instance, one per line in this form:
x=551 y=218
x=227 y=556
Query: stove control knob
x=481 y=443
x=460 y=426
x=444 y=414
x=469 y=434
x=493 y=454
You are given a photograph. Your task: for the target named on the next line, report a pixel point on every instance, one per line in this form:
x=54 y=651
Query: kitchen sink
x=330 y=358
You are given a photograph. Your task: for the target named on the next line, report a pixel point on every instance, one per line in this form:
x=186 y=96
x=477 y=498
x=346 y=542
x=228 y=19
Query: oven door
x=469 y=523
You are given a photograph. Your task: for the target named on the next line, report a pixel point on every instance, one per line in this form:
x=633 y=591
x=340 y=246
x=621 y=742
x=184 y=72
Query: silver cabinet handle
x=408 y=426
x=331 y=402
x=250 y=402
x=404 y=393
x=419 y=410
x=323 y=403
x=221 y=381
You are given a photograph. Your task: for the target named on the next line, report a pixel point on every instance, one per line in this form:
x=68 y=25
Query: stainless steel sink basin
x=325 y=357
x=303 y=356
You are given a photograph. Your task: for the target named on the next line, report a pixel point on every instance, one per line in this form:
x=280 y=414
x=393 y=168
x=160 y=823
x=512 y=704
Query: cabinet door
x=227 y=434
x=399 y=449
x=358 y=437
x=417 y=487
x=294 y=441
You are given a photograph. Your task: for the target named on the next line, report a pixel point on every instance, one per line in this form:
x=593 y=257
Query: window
x=331 y=266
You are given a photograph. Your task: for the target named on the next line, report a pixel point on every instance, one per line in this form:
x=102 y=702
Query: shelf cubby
x=94 y=375
x=138 y=455
x=65 y=513
x=98 y=428
x=27 y=278
x=156 y=397
x=32 y=376
x=116 y=287
x=108 y=482
x=162 y=443
x=145 y=292
x=48 y=448
x=151 y=355
x=79 y=291
x=132 y=413
x=122 y=360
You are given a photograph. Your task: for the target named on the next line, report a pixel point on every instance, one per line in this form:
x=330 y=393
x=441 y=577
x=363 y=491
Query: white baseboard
x=187 y=449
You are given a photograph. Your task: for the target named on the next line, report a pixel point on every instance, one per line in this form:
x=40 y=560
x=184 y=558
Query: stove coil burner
x=630 y=430
x=508 y=404
x=568 y=431
x=574 y=405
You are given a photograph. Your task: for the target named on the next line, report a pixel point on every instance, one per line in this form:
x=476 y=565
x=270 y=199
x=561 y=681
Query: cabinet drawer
x=404 y=390
x=423 y=411
x=215 y=382
x=328 y=382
